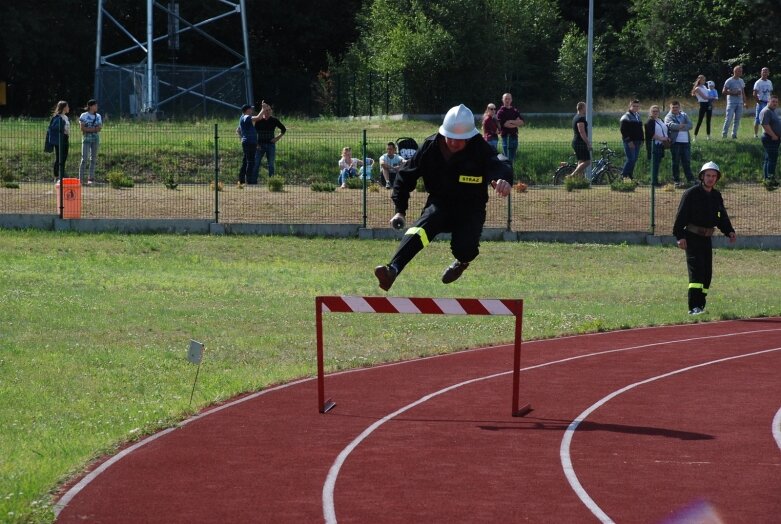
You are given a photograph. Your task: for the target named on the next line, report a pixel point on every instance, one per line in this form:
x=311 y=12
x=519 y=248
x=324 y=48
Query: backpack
x=51 y=134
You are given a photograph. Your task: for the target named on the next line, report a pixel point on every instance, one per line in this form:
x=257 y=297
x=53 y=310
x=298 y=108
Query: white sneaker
x=697 y=311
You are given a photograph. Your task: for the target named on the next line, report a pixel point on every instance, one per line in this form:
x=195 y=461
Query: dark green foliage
x=118 y=180
x=576 y=182
x=323 y=187
x=276 y=184
x=624 y=185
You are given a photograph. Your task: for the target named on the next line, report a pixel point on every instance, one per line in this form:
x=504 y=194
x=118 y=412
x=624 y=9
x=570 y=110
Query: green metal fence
x=190 y=171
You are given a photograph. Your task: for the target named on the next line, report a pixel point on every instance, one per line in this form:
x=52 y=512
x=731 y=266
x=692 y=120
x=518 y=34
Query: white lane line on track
x=90 y=477
x=777 y=428
x=564 y=450
x=329 y=511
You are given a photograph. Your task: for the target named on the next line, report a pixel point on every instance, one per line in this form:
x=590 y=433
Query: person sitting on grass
x=348 y=167
x=390 y=163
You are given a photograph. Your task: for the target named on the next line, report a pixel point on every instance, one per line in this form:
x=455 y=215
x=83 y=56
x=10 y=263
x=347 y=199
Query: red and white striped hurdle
x=424 y=306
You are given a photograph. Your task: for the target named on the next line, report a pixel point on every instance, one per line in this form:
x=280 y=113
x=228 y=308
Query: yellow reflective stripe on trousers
x=693 y=285
x=420 y=232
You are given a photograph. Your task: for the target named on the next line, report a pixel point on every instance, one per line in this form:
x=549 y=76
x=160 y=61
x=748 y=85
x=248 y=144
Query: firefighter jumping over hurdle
x=457 y=166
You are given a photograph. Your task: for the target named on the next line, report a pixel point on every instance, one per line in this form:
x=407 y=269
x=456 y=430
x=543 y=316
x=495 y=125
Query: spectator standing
x=249 y=142
x=267 y=141
x=390 y=164
x=457 y=167
x=679 y=125
x=62 y=127
x=491 y=127
x=348 y=167
x=90 y=123
x=701 y=92
x=658 y=139
x=631 y=127
x=700 y=212
x=771 y=132
x=734 y=88
x=762 y=90
x=509 y=121
x=580 y=142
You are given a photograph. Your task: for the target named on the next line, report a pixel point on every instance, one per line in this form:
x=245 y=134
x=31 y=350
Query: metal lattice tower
x=146 y=88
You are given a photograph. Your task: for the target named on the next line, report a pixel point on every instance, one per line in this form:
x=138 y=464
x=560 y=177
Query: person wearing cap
x=456 y=165
x=90 y=124
x=249 y=141
x=700 y=212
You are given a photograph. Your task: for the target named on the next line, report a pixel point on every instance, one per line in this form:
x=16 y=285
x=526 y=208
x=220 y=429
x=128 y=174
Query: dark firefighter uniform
x=699 y=214
x=457 y=196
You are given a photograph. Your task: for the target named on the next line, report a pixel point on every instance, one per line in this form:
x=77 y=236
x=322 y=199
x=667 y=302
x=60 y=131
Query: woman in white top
x=63 y=128
x=701 y=92
x=348 y=167
x=658 y=137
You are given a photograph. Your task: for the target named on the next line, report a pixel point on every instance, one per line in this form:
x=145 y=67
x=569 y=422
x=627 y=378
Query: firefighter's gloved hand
x=398 y=221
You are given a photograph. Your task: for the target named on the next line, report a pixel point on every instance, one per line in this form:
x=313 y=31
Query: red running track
x=668 y=424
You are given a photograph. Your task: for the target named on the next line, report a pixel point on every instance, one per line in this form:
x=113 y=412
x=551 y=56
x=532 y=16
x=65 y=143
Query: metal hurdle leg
x=524 y=410
x=323 y=405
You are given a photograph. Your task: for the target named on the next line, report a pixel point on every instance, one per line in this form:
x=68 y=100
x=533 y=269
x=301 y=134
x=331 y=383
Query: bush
x=323 y=187
x=170 y=180
x=276 y=184
x=576 y=182
x=624 y=185
x=7 y=176
x=117 y=179
x=355 y=183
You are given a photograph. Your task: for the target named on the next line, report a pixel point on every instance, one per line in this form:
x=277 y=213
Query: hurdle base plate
x=327 y=406
x=523 y=411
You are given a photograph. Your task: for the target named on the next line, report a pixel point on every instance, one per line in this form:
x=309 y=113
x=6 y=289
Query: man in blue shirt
x=249 y=141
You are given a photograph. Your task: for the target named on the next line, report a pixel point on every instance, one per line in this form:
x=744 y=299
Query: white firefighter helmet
x=459 y=123
x=710 y=165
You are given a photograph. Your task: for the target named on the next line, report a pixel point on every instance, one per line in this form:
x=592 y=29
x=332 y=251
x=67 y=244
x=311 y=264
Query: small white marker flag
x=195 y=352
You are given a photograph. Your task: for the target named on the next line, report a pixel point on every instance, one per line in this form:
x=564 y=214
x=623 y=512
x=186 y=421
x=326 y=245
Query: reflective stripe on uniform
x=694 y=285
x=420 y=232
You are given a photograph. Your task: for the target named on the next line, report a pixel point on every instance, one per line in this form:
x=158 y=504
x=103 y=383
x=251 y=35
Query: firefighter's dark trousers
x=699 y=260
x=465 y=226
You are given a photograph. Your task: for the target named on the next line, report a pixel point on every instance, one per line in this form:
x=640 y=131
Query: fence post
x=653 y=188
x=387 y=94
x=510 y=211
x=216 y=175
x=365 y=173
x=370 y=96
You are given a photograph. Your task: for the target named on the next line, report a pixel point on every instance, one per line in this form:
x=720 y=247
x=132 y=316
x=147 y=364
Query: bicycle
x=602 y=172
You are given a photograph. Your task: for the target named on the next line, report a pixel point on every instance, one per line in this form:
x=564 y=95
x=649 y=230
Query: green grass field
x=94 y=328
